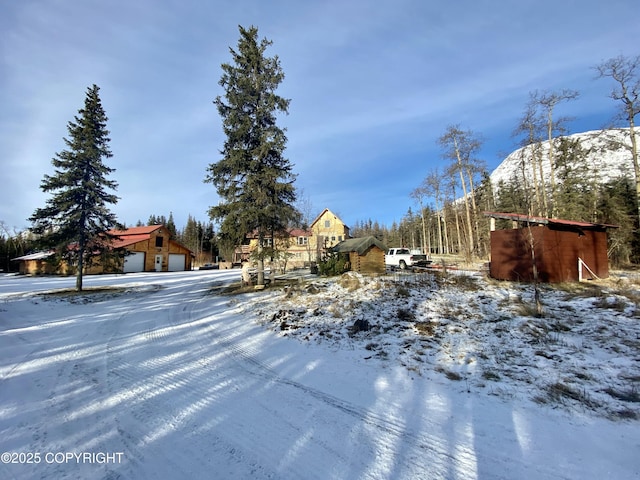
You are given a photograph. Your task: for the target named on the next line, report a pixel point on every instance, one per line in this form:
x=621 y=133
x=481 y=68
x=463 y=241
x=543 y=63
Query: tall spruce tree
x=253 y=179
x=76 y=217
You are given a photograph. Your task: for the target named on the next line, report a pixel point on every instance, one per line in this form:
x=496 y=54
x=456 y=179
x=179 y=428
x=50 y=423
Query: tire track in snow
x=442 y=457
x=390 y=431
x=161 y=403
x=395 y=430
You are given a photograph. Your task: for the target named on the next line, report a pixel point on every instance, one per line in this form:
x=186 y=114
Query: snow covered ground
x=167 y=376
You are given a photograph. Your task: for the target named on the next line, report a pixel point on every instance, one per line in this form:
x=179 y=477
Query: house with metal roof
x=150 y=248
x=137 y=249
x=564 y=250
x=297 y=247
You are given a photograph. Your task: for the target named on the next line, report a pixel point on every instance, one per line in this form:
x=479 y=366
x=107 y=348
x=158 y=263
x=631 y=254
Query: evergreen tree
x=209 y=241
x=254 y=180
x=576 y=193
x=171 y=226
x=157 y=220
x=76 y=216
x=617 y=206
x=190 y=234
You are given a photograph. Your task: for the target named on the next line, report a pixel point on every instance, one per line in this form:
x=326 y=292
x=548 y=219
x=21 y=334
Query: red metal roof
x=145 y=230
x=299 y=232
x=132 y=235
x=518 y=217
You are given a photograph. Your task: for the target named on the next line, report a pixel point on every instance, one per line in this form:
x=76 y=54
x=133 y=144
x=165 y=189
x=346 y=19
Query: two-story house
x=327 y=230
x=298 y=248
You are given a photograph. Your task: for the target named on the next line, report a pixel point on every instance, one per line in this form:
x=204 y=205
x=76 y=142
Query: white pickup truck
x=403 y=259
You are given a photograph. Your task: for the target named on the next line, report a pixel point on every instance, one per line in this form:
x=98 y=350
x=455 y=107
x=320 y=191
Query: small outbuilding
x=36 y=263
x=564 y=250
x=366 y=254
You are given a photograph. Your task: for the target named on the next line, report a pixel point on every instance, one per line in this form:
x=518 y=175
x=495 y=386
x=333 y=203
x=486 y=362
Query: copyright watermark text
x=61 y=457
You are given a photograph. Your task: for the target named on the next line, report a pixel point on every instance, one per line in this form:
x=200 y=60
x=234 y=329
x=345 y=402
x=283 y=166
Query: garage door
x=177 y=262
x=134 y=262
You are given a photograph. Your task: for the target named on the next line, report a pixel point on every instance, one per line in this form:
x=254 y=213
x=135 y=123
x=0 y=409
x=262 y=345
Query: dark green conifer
x=76 y=216
x=253 y=179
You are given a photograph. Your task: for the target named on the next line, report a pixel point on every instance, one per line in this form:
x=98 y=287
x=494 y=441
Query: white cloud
x=369 y=85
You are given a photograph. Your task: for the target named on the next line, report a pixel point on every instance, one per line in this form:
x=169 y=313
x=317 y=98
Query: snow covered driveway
x=166 y=378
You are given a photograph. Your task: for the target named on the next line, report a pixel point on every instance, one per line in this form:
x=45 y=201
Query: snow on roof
x=34 y=256
x=360 y=245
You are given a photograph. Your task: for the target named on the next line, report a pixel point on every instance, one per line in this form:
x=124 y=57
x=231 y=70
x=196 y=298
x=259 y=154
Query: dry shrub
x=405 y=315
x=350 y=281
x=490 y=375
x=451 y=375
x=616 y=303
x=426 y=328
x=629 y=395
x=561 y=392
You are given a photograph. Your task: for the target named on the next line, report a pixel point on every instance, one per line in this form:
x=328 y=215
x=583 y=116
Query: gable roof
x=144 y=230
x=326 y=210
x=360 y=245
x=130 y=236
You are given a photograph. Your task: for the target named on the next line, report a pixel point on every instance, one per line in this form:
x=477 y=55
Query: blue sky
x=373 y=84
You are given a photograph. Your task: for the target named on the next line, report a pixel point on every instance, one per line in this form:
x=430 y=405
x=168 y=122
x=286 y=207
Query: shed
x=565 y=250
x=366 y=254
x=36 y=263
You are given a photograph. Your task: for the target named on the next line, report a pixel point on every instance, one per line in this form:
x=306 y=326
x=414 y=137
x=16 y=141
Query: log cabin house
x=366 y=254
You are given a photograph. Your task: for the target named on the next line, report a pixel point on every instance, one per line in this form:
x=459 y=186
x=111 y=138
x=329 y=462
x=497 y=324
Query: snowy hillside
x=608 y=152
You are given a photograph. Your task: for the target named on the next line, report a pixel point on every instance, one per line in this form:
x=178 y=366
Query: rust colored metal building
x=564 y=250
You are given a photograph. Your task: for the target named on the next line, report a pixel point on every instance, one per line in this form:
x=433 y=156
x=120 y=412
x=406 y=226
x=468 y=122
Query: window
x=339 y=238
x=159 y=241
x=302 y=240
x=327 y=224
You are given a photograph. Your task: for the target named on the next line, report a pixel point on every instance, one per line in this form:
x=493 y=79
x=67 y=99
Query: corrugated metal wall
x=556 y=252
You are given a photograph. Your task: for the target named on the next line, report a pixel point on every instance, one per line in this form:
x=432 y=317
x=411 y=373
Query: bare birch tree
x=432 y=184
x=460 y=147
x=553 y=127
x=419 y=194
x=625 y=71
x=529 y=127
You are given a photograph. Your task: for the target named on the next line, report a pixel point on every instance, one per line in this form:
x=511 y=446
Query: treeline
x=197 y=236
x=443 y=231
x=12 y=244
x=553 y=179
